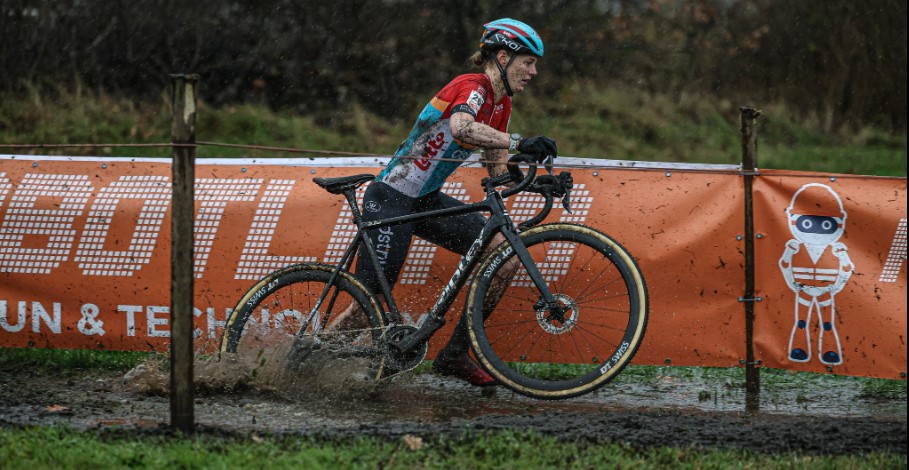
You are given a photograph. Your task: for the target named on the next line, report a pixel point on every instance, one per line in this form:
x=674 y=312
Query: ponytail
x=480 y=58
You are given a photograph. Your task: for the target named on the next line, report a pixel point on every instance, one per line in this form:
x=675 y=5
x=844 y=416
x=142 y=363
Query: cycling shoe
x=465 y=368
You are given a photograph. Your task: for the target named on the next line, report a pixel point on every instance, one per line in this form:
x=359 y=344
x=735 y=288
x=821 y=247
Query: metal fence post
x=181 y=307
x=748 y=117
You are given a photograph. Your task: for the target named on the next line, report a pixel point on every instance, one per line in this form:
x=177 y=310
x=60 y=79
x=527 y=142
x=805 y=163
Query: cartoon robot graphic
x=816 y=267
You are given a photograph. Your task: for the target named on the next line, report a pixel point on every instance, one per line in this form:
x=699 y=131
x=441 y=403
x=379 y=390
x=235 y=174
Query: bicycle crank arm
x=420 y=336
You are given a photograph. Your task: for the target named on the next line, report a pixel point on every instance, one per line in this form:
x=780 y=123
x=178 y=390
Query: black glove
x=541 y=146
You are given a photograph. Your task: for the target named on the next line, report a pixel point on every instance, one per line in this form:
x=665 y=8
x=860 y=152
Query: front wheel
x=598 y=328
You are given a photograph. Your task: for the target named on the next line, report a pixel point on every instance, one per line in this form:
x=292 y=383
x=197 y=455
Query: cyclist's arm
x=465 y=128
x=494 y=161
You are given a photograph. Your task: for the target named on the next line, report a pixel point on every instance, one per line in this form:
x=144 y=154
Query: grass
x=771 y=379
x=66 y=448
x=587 y=121
x=69 y=360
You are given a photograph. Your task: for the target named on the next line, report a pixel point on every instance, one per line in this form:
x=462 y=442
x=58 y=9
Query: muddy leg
x=459 y=342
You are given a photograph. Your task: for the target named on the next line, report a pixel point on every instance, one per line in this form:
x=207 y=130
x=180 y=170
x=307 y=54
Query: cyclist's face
x=521 y=71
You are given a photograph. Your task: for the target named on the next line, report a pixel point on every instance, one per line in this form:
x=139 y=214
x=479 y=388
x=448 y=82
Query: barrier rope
x=291 y=150
x=30 y=146
x=604 y=166
x=294 y=150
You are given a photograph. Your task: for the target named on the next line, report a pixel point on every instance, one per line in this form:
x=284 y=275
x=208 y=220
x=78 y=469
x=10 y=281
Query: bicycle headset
x=513 y=36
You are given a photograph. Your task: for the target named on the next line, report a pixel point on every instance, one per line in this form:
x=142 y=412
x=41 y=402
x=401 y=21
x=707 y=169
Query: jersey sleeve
x=466 y=96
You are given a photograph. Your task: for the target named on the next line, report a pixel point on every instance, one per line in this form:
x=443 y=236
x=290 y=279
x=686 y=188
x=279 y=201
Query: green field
x=618 y=124
x=62 y=448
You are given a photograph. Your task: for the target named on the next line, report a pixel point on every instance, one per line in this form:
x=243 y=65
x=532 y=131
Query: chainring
x=400 y=361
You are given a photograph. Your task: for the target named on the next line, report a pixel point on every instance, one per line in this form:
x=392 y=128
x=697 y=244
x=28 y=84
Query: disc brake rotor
x=570 y=315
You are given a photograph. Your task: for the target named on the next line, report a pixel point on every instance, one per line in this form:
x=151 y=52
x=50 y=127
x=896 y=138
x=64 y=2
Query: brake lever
x=566 y=182
x=566 y=201
x=547 y=163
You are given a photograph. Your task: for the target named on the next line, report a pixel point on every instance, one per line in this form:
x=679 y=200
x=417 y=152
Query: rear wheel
x=288 y=309
x=595 y=332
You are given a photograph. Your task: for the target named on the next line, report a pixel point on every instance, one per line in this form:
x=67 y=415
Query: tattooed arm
x=495 y=143
x=494 y=161
x=465 y=128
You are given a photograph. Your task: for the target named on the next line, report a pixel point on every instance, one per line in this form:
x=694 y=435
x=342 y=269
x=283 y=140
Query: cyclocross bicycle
x=571 y=318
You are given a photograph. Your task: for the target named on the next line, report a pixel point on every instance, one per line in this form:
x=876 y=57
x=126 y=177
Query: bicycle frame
x=498 y=222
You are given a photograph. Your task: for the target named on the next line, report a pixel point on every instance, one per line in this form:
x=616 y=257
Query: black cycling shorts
x=454 y=233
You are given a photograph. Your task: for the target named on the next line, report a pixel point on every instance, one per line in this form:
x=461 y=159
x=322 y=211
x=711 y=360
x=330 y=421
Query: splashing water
x=276 y=363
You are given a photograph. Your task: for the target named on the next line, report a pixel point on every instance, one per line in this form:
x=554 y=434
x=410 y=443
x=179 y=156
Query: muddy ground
x=332 y=402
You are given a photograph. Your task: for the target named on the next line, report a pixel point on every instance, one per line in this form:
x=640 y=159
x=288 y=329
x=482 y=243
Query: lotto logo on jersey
x=430 y=150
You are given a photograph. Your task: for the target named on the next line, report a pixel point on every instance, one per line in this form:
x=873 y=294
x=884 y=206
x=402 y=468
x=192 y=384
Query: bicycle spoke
x=588 y=301
x=512 y=324
x=604 y=286
x=595 y=284
x=548 y=249
x=597 y=336
x=520 y=341
x=285 y=307
x=590 y=283
x=590 y=345
x=577 y=347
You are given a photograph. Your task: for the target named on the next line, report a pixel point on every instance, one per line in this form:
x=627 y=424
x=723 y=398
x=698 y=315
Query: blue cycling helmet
x=511 y=35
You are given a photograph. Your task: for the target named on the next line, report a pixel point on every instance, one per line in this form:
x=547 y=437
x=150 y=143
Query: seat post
x=351 y=196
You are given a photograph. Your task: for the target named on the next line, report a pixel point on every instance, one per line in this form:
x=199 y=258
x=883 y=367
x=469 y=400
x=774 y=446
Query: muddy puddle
x=331 y=394
x=330 y=387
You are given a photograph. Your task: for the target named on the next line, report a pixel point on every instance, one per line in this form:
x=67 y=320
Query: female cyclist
x=471 y=112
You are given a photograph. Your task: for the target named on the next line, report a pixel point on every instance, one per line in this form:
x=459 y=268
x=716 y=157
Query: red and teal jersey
x=430 y=154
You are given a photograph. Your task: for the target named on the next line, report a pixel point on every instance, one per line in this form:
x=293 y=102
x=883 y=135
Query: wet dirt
x=333 y=398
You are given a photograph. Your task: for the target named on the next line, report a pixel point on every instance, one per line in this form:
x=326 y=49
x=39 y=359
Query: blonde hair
x=480 y=58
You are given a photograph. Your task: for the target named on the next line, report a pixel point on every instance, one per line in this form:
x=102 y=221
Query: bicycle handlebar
x=514 y=175
x=514 y=172
x=548 y=186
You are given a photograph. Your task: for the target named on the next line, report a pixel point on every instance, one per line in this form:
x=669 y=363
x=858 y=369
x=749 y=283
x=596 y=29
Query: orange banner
x=831 y=273
x=85 y=253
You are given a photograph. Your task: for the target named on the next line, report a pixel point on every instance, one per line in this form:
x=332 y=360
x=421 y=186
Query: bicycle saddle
x=343 y=183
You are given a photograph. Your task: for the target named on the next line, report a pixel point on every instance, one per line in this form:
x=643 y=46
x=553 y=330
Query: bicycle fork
x=556 y=311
